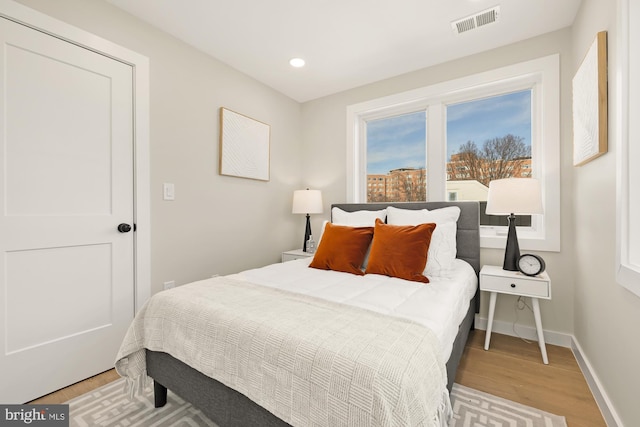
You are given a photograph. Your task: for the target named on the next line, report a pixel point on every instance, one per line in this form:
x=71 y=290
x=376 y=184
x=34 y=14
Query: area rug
x=110 y=406
x=473 y=408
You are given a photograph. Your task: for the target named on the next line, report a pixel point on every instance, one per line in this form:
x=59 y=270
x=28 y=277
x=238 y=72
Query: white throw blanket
x=306 y=360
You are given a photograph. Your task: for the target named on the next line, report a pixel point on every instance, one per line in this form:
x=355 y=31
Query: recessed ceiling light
x=297 y=62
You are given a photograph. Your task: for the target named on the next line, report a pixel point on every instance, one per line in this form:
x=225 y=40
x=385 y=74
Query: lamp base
x=512 y=251
x=307 y=233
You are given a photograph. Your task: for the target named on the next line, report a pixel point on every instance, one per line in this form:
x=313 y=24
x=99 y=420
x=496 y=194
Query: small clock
x=531 y=265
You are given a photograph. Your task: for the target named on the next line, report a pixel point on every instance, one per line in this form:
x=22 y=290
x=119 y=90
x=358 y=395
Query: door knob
x=124 y=228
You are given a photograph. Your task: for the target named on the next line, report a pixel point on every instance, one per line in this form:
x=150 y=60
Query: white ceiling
x=346 y=43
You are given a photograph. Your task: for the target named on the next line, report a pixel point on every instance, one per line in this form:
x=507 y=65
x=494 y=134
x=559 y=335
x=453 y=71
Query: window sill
x=525 y=243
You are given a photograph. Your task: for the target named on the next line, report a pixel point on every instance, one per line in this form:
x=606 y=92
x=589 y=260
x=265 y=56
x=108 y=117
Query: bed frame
x=228 y=408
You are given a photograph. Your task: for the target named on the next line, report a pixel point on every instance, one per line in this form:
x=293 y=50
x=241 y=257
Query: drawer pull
x=513 y=285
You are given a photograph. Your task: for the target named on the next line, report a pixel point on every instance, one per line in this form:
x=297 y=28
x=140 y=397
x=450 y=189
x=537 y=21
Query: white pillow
x=354 y=219
x=324 y=224
x=357 y=218
x=443 y=248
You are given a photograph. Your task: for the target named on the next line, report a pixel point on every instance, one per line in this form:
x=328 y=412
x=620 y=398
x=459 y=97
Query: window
x=487 y=139
x=396 y=148
x=450 y=115
x=628 y=132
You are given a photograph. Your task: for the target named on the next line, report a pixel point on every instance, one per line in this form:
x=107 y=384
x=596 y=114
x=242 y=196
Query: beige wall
x=606 y=314
x=216 y=225
x=324 y=136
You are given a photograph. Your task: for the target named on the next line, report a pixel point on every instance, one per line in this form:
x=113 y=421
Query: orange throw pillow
x=400 y=250
x=342 y=248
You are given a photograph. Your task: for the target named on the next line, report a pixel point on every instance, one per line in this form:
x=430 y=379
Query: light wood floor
x=77 y=389
x=511 y=369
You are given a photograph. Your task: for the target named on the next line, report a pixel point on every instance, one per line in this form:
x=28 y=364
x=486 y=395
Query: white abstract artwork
x=244 y=146
x=590 y=104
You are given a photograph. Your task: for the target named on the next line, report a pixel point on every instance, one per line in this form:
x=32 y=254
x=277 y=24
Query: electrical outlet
x=170 y=284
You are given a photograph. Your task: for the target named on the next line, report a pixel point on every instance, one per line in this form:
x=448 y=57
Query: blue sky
x=396 y=142
x=400 y=141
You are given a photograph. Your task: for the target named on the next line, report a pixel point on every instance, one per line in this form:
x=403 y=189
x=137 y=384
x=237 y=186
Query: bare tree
x=500 y=157
x=469 y=163
x=407 y=185
x=374 y=196
x=414 y=186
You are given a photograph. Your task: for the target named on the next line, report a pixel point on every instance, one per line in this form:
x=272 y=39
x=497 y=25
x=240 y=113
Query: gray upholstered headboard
x=468 y=236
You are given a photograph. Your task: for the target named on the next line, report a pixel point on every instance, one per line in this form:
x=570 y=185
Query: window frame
x=628 y=104
x=541 y=75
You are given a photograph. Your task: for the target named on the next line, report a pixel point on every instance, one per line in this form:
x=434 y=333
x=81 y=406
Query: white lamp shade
x=307 y=202
x=514 y=196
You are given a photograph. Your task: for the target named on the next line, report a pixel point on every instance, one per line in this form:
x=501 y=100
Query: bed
x=220 y=401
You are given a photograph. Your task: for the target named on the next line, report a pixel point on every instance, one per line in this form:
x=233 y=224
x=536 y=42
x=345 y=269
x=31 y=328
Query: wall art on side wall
x=244 y=146
x=590 y=104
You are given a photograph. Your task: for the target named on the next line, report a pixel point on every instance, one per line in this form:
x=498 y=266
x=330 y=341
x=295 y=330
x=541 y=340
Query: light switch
x=169 y=191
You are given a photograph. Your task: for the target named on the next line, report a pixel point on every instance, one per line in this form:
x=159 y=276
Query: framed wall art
x=590 y=104
x=244 y=146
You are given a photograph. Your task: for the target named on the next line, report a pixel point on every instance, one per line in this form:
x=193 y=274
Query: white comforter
x=308 y=361
x=440 y=305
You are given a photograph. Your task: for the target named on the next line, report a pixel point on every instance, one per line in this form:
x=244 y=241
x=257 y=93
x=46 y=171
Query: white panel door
x=66 y=183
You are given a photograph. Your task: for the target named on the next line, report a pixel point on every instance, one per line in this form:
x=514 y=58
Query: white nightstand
x=495 y=280
x=295 y=254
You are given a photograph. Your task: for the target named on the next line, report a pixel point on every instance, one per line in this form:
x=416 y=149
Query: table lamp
x=307 y=202
x=511 y=196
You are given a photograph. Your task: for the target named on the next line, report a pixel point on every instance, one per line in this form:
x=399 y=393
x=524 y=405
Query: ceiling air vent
x=477 y=20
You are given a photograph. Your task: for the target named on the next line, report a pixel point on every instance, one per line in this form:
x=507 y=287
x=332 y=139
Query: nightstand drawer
x=295 y=254
x=289 y=257
x=516 y=285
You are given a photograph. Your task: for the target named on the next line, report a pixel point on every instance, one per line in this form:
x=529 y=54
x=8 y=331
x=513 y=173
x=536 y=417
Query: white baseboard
x=602 y=399
x=564 y=340
x=526 y=332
